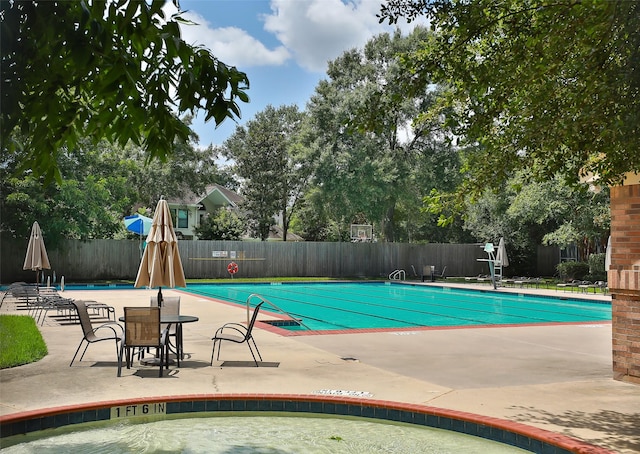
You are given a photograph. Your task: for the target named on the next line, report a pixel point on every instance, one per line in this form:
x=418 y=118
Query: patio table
x=178 y=320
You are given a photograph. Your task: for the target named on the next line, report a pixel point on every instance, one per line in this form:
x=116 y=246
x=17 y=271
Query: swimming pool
x=345 y=306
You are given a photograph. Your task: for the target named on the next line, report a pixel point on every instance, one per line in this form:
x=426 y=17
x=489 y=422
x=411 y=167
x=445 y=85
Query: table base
x=154 y=361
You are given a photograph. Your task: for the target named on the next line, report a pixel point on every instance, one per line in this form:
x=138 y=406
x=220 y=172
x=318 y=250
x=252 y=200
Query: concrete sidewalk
x=553 y=377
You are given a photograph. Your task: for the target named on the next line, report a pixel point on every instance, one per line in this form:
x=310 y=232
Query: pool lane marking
x=485 y=299
x=431 y=303
x=592 y=313
x=247 y=289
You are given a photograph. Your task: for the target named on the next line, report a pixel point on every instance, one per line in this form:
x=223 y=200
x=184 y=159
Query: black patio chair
x=89 y=331
x=239 y=334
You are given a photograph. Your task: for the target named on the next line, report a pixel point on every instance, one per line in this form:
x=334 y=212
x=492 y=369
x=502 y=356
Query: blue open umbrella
x=137 y=223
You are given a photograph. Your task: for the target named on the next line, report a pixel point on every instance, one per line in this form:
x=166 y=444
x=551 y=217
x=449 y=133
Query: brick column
x=624 y=281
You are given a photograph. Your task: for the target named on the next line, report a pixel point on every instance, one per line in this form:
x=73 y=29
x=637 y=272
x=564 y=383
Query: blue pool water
x=340 y=306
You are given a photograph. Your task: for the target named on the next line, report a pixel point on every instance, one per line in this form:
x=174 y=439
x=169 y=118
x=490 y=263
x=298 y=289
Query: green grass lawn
x=20 y=341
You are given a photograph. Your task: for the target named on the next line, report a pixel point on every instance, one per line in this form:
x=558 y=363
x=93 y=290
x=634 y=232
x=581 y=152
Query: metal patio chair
x=170 y=306
x=90 y=335
x=142 y=331
x=239 y=334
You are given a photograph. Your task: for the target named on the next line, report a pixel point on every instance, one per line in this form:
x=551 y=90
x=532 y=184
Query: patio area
x=556 y=378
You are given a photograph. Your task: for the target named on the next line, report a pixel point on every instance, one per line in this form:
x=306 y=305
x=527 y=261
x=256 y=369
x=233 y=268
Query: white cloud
x=317 y=31
x=231 y=45
x=312 y=32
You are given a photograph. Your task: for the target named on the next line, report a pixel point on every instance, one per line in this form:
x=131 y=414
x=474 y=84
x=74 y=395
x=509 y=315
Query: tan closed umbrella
x=161 y=265
x=501 y=255
x=36 y=258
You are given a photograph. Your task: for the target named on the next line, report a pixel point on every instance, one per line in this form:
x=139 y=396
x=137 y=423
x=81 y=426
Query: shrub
x=596 y=268
x=221 y=225
x=572 y=270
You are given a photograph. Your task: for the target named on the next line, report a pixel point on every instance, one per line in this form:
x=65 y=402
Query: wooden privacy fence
x=98 y=260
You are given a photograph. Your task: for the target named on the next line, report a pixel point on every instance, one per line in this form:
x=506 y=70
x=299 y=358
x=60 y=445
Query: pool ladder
x=264 y=300
x=398 y=275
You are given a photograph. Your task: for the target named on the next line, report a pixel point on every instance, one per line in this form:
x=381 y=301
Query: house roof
x=216 y=194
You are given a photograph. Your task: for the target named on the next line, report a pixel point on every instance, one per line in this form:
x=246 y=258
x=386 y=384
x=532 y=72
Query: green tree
x=314 y=225
x=268 y=159
x=108 y=70
x=369 y=160
x=101 y=184
x=188 y=170
x=528 y=213
x=222 y=225
x=552 y=87
x=82 y=209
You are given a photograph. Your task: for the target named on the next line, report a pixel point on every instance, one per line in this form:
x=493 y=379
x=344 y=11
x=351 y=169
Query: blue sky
x=282 y=45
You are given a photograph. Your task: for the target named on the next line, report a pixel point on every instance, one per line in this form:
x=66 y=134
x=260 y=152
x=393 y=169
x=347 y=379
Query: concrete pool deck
x=556 y=378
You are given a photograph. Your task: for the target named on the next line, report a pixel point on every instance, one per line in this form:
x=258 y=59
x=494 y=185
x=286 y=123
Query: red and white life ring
x=232 y=268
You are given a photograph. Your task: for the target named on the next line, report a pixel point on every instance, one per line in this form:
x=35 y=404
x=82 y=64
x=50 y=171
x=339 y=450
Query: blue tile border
x=538 y=441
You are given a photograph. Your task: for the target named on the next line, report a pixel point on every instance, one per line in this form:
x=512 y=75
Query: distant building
x=189 y=211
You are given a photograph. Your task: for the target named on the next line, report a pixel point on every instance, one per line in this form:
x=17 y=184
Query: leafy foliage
x=552 y=87
x=596 y=268
x=529 y=213
x=108 y=70
x=102 y=184
x=371 y=165
x=572 y=270
x=314 y=221
x=267 y=159
x=222 y=225
x=84 y=206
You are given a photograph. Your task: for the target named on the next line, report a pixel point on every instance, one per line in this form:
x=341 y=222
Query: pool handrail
x=263 y=299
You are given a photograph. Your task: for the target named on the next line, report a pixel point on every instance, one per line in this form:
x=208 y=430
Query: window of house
x=183 y=219
x=180 y=218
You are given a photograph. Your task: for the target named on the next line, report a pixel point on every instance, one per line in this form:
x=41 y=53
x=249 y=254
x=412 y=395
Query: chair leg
x=256 y=347
x=84 y=351
x=219 y=341
x=118 y=346
x=77 y=350
x=252 y=354
x=120 y=353
x=219 y=348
